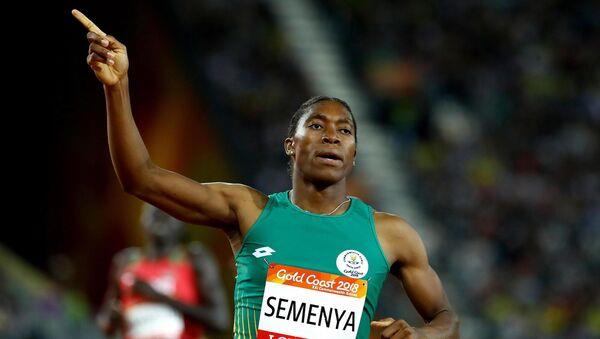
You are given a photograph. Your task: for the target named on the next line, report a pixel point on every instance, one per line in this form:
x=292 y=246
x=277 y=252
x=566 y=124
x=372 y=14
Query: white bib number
x=149 y=320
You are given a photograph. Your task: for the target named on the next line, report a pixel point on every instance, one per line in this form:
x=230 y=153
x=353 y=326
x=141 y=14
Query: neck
x=157 y=250
x=319 y=200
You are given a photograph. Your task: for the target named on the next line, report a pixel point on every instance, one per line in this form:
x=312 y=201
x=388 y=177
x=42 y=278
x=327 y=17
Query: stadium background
x=493 y=107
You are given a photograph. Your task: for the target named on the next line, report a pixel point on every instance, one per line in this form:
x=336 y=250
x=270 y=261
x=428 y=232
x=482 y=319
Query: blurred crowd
x=495 y=106
x=251 y=79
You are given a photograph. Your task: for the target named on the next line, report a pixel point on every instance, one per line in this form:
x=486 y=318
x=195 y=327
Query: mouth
x=330 y=158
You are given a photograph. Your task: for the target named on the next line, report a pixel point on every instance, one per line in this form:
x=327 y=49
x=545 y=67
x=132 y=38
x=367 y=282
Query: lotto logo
x=263 y=252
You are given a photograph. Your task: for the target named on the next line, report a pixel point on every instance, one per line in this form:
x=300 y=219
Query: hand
x=396 y=329
x=144 y=289
x=107 y=57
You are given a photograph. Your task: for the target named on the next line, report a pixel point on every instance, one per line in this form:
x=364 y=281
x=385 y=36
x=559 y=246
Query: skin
x=318 y=186
x=164 y=234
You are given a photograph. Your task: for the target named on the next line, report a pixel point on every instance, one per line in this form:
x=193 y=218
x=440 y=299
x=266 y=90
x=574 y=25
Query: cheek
x=300 y=132
x=304 y=145
x=351 y=151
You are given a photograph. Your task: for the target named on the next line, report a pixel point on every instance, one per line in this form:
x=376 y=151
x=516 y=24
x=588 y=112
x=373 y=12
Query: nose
x=330 y=138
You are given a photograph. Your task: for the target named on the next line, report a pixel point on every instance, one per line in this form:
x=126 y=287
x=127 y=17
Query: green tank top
x=285 y=234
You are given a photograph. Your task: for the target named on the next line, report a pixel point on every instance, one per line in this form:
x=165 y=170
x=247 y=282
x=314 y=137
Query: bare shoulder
x=240 y=194
x=247 y=202
x=123 y=258
x=127 y=255
x=393 y=226
x=400 y=241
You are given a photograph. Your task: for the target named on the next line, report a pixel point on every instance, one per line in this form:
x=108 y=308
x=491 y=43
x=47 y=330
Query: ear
x=288 y=146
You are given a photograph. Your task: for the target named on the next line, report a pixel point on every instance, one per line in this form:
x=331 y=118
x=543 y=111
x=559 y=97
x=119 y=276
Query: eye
x=346 y=131
x=315 y=125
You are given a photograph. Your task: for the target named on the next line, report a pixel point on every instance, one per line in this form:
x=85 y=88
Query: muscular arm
x=212 y=204
x=424 y=289
x=406 y=251
x=227 y=206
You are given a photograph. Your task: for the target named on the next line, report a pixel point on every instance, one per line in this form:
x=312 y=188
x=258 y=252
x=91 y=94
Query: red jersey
x=173 y=276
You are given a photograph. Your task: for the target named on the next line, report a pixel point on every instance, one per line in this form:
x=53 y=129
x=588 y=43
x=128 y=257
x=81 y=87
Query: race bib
x=151 y=320
x=301 y=303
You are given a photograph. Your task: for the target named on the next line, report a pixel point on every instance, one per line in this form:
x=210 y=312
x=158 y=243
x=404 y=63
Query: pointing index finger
x=87 y=23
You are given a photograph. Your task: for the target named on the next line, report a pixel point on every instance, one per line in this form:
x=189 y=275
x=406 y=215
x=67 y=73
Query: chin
x=327 y=176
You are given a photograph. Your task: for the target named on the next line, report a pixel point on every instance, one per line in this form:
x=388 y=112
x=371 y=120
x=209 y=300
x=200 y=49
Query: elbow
x=139 y=182
x=128 y=187
x=132 y=187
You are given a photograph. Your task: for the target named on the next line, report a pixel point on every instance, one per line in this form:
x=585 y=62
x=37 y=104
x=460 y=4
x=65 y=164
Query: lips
x=329 y=157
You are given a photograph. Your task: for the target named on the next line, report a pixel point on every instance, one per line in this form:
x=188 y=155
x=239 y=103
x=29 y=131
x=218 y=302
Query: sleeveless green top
x=285 y=234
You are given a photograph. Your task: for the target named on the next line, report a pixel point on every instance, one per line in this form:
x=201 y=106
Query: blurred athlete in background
x=314 y=226
x=165 y=290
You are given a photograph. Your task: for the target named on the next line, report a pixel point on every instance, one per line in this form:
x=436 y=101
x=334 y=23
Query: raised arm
x=222 y=205
x=405 y=250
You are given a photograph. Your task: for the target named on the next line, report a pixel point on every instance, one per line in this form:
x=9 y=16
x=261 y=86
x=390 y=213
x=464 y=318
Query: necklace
x=330 y=213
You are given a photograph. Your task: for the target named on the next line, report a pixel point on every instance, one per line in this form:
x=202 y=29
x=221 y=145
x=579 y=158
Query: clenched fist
x=107 y=57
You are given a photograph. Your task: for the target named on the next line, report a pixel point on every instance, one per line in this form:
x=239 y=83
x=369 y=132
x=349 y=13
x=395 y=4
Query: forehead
x=328 y=110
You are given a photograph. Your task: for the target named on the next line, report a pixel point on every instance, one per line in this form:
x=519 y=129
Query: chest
x=325 y=246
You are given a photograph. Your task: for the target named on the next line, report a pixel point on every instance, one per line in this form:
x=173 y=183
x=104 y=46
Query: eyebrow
x=324 y=117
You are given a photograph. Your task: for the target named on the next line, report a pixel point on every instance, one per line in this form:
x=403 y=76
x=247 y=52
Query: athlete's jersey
x=284 y=234
x=173 y=276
